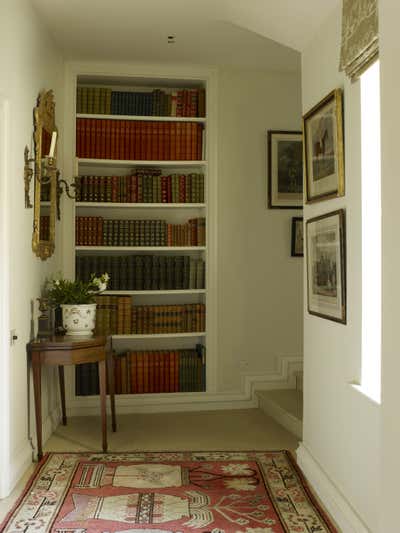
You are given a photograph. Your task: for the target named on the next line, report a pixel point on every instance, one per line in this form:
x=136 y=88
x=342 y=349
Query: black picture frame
x=285 y=169
x=297 y=241
x=326 y=266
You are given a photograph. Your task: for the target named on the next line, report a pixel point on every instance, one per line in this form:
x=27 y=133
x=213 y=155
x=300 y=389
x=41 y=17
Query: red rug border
x=289 y=454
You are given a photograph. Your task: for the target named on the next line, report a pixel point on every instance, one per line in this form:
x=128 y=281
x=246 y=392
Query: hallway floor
x=246 y=429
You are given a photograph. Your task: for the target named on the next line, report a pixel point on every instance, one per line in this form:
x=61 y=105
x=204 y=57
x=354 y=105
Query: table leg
x=37 y=389
x=102 y=384
x=111 y=388
x=62 y=393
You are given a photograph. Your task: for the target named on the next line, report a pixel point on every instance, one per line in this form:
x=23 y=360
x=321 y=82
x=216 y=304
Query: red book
x=127 y=140
x=139 y=369
x=112 y=126
x=172 y=145
x=194 y=127
x=146 y=380
x=154 y=141
x=148 y=128
x=160 y=129
x=121 y=136
x=178 y=141
x=92 y=149
x=132 y=140
x=107 y=140
x=167 y=150
x=133 y=372
x=151 y=373
x=171 y=371
x=166 y=372
x=176 y=373
x=97 y=146
x=200 y=130
x=188 y=141
x=138 y=140
x=156 y=356
x=162 y=373
x=117 y=138
x=78 y=147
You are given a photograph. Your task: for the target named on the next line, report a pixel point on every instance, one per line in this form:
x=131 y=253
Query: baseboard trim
x=284 y=418
x=284 y=377
x=335 y=502
x=19 y=464
x=163 y=403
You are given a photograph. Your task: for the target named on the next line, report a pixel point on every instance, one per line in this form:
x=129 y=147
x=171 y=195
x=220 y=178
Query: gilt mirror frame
x=45 y=172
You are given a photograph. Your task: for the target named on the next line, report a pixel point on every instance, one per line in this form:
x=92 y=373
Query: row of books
x=144 y=186
x=144 y=272
x=158 y=102
x=116 y=315
x=97 y=231
x=148 y=372
x=44 y=228
x=139 y=140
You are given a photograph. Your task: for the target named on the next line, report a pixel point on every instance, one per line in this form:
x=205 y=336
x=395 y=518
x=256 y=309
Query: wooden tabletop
x=66 y=342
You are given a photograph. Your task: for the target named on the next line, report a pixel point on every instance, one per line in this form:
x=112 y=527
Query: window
x=371 y=233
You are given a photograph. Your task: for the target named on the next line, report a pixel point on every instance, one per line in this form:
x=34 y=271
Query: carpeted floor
x=155 y=492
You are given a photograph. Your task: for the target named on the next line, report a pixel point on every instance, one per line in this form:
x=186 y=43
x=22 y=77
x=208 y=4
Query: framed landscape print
x=326 y=266
x=297 y=237
x=285 y=169
x=323 y=149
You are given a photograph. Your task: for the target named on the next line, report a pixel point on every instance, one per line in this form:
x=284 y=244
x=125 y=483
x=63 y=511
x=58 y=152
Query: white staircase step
x=285 y=406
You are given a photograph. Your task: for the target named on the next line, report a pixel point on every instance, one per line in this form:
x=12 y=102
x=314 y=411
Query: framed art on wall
x=326 y=266
x=297 y=237
x=323 y=149
x=285 y=169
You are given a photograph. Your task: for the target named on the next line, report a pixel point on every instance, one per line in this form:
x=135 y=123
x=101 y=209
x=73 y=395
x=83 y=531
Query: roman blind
x=359 y=36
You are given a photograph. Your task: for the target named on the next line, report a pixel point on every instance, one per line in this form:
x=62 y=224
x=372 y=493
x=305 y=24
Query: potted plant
x=77 y=301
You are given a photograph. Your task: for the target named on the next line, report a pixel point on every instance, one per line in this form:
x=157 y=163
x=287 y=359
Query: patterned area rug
x=154 y=492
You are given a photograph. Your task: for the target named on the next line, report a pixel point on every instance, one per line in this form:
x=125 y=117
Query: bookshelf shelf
x=124 y=163
x=140 y=248
x=201 y=120
x=155 y=292
x=161 y=335
x=109 y=205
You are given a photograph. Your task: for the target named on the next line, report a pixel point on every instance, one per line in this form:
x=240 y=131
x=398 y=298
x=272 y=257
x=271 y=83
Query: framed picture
x=326 y=266
x=297 y=237
x=323 y=149
x=285 y=169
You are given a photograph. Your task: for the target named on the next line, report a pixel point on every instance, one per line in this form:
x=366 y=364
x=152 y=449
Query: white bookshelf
x=91 y=162
x=117 y=205
x=172 y=212
x=200 y=120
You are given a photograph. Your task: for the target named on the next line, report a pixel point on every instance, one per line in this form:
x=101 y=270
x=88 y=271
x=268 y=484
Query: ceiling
x=240 y=33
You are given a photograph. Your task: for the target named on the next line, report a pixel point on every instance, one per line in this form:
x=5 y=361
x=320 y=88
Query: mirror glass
x=43 y=239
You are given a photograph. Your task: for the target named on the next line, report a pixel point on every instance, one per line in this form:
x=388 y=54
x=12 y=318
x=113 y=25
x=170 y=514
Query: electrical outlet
x=13 y=337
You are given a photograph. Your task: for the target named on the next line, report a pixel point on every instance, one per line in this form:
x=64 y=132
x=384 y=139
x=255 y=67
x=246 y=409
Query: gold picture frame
x=324 y=149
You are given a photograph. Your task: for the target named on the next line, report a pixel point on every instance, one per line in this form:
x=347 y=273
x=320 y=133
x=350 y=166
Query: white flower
x=236 y=469
x=105 y=277
x=57 y=282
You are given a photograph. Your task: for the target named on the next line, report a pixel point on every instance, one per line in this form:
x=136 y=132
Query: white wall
x=389 y=15
x=29 y=62
x=259 y=284
x=341 y=426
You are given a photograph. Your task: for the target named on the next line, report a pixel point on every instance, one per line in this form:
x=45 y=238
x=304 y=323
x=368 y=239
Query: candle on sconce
x=53 y=144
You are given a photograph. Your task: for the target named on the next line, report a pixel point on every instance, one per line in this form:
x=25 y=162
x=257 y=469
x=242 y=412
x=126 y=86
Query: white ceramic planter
x=79 y=319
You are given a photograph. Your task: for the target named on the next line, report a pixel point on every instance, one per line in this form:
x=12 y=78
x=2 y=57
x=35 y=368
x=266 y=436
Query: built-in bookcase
x=162 y=352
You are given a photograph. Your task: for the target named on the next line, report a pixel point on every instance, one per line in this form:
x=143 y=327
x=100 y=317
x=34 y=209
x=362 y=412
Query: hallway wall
x=29 y=62
x=341 y=425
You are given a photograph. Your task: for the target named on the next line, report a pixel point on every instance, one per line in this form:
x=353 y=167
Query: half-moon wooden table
x=70 y=350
